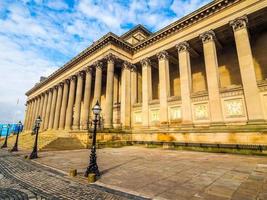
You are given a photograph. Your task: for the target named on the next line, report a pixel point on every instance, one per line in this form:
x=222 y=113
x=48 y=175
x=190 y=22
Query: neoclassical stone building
x=202 y=78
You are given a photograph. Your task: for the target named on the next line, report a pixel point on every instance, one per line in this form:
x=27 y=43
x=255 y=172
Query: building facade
x=203 y=76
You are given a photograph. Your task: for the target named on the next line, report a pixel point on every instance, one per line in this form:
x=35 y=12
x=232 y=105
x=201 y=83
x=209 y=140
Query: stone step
x=64 y=143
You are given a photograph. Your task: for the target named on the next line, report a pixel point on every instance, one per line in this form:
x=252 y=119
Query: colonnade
x=251 y=92
x=60 y=106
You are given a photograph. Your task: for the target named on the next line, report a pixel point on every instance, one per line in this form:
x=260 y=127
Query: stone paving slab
x=24 y=179
x=170 y=174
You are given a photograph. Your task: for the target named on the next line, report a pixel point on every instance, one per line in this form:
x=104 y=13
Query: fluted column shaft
x=247 y=70
x=69 y=114
x=58 y=106
x=37 y=109
x=33 y=113
x=185 y=81
x=27 y=116
x=44 y=110
x=53 y=108
x=133 y=85
x=211 y=66
x=64 y=105
x=146 y=90
x=78 y=100
x=87 y=98
x=126 y=95
x=48 y=109
x=164 y=82
x=109 y=94
x=41 y=106
x=98 y=82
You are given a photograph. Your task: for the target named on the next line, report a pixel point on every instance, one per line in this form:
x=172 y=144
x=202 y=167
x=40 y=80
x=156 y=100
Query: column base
x=216 y=124
x=257 y=122
x=187 y=124
x=108 y=126
x=164 y=124
x=75 y=127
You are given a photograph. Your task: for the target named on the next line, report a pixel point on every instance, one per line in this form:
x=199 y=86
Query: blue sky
x=39 y=36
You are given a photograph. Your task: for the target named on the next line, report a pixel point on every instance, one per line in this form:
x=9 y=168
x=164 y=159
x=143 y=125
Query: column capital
x=50 y=89
x=88 y=69
x=67 y=81
x=239 y=23
x=133 y=68
x=73 y=77
x=145 y=62
x=110 y=58
x=163 y=55
x=61 y=84
x=98 y=64
x=182 y=47
x=80 y=74
x=207 y=36
x=126 y=65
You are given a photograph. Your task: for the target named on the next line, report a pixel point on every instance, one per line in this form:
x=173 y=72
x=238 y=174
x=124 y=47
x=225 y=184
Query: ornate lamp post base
x=92 y=168
x=15 y=148
x=33 y=155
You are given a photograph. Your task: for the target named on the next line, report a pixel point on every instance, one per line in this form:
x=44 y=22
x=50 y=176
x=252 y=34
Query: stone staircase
x=48 y=140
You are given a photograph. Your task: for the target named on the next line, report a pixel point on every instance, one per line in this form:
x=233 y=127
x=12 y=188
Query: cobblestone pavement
x=169 y=174
x=22 y=179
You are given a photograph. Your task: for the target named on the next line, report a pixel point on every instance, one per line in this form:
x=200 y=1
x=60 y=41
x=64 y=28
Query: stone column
x=164 y=85
x=44 y=110
x=126 y=95
x=64 y=105
x=133 y=85
x=247 y=70
x=146 y=90
x=48 y=108
x=116 y=89
x=53 y=108
x=98 y=82
x=58 y=106
x=78 y=100
x=37 y=107
x=33 y=113
x=186 y=82
x=87 y=98
x=211 y=66
x=108 y=121
x=69 y=114
x=26 y=123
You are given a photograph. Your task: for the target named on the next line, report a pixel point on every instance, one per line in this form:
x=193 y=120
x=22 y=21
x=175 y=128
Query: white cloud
x=36 y=38
x=182 y=8
x=57 y=5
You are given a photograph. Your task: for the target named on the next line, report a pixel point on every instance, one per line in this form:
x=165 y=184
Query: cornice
x=110 y=38
x=185 y=22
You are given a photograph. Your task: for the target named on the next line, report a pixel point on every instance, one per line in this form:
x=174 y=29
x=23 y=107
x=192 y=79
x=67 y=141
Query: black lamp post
x=36 y=130
x=15 y=147
x=5 y=143
x=93 y=168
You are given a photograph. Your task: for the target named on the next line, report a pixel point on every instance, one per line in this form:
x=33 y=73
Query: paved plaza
x=136 y=173
x=170 y=174
x=22 y=179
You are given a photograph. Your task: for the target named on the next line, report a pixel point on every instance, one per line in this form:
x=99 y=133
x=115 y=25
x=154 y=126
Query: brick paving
x=23 y=179
x=170 y=174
